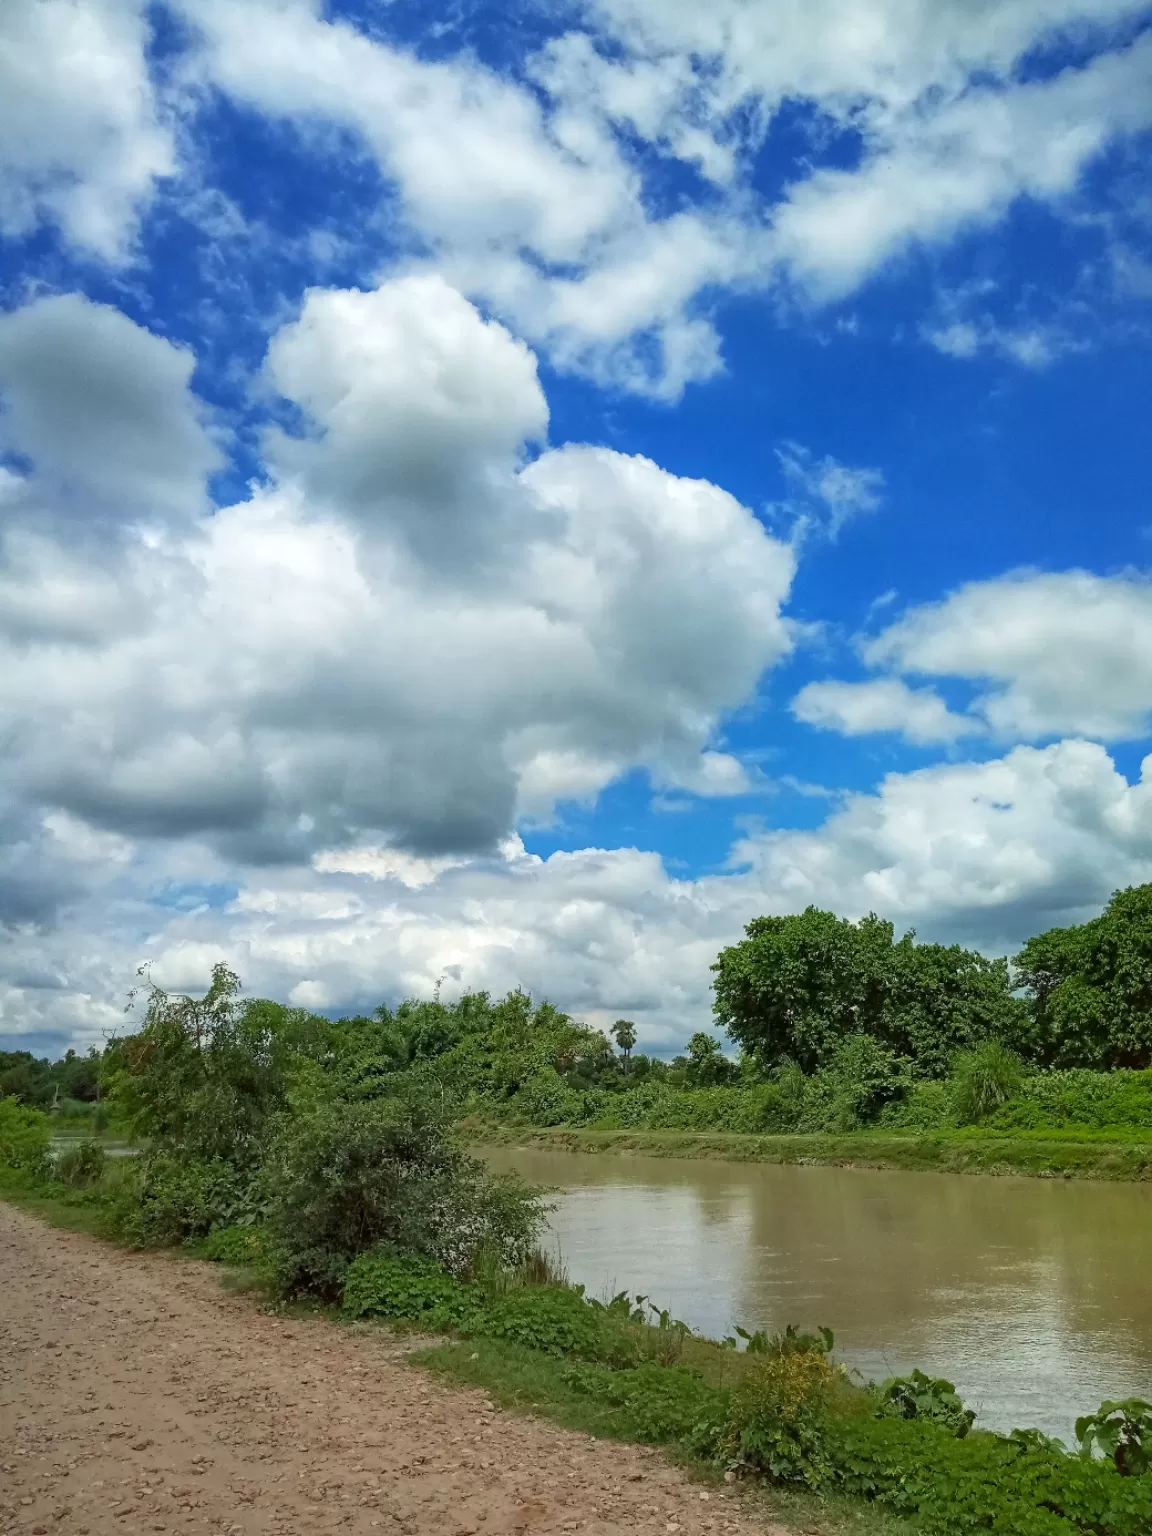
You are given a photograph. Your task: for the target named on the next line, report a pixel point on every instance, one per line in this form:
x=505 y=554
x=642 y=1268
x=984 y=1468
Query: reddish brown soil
x=136 y=1396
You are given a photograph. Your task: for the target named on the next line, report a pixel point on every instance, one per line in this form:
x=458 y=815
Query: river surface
x=1033 y=1295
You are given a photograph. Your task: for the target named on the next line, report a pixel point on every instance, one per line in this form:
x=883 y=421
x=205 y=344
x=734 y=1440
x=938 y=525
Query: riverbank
x=136 y=1390
x=1119 y=1155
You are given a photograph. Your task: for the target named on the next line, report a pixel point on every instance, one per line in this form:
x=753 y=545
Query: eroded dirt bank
x=136 y=1396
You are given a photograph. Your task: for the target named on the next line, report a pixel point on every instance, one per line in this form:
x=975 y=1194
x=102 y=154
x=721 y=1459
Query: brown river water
x=1034 y=1296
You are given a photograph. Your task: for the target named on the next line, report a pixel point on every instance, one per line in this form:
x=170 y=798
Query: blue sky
x=510 y=493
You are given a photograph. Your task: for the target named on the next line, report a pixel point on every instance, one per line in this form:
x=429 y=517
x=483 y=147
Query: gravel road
x=136 y=1396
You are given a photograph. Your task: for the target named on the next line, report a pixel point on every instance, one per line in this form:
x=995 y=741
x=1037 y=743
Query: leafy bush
x=165 y=1200
x=1123 y=1431
x=243 y=1246
x=81 y=1166
x=343 y=1178
x=922 y=1397
x=983 y=1080
x=550 y=1318
x=25 y=1139
x=661 y=1404
x=790 y=1342
x=779 y=1417
x=386 y=1285
x=1020 y=1485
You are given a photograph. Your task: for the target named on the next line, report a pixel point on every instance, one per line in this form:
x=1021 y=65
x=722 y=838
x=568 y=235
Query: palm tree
x=624 y=1033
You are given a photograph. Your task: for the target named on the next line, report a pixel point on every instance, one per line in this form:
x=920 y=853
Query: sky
x=501 y=496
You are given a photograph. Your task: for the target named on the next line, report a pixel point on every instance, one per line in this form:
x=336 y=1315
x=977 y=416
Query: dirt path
x=136 y=1396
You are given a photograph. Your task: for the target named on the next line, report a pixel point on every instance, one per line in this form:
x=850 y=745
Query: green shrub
x=923 y=1397
x=983 y=1079
x=1123 y=1431
x=1018 y=1485
x=550 y=1318
x=25 y=1139
x=660 y=1405
x=779 y=1416
x=343 y=1179
x=246 y=1247
x=164 y=1200
x=407 y=1288
x=82 y=1166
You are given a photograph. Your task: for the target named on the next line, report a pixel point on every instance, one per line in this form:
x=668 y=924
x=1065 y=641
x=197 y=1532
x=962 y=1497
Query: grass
x=524 y=1381
x=1117 y=1153
x=75 y=1210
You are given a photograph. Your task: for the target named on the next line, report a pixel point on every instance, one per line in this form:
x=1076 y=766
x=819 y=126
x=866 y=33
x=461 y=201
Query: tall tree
x=1091 y=987
x=624 y=1033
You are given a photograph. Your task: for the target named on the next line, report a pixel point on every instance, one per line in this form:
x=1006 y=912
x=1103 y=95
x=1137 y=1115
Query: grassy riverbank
x=1120 y=1154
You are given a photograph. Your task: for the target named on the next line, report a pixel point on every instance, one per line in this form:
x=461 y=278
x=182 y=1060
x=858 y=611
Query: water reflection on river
x=1033 y=1295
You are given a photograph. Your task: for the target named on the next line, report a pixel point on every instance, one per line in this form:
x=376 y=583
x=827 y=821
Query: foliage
x=795 y=987
x=1091 y=987
x=25 y=1139
x=39 y=1083
x=659 y=1405
x=923 y=1397
x=81 y=1166
x=984 y=1079
x=1122 y=1431
x=790 y=1342
x=342 y=1178
x=554 y=1319
x=243 y=1246
x=779 y=1417
x=406 y=1288
x=166 y=1199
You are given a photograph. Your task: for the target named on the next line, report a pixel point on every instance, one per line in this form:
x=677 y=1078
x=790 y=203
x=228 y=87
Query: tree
x=624 y=1033
x=797 y=986
x=707 y=1066
x=1091 y=987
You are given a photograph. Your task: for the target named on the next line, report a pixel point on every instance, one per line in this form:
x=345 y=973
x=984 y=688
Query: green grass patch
x=1116 y=1153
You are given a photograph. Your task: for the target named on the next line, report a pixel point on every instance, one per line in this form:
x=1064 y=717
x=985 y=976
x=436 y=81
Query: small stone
x=729 y=1477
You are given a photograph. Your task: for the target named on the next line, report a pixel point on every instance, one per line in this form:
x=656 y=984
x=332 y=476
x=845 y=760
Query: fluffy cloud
x=986 y=853
x=105 y=412
x=540 y=196
x=324 y=661
x=884 y=704
x=81 y=140
x=1055 y=652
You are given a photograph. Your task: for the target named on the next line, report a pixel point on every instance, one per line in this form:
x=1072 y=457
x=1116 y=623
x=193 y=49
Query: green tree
x=707 y=1066
x=624 y=1034
x=1091 y=987
x=796 y=986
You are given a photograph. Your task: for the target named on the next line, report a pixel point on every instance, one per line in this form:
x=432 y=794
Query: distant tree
x=624 y=1033
x=707 y=1066
x=1091 y=987
x=795 y=987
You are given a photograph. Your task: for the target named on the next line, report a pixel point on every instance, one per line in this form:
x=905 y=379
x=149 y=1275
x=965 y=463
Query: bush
x=164 y=1200
x=347 y=1178
x=550 y=1318
x=25 y=1139
x=983 y=1080
x=82 y=1166
x=661 y=1405
x=246 y=1247
x=921 y=1397
x=410 y=1289
x=779 y=1417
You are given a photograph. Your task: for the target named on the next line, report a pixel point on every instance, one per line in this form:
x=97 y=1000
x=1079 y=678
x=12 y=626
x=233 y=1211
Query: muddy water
x=1034 y=1296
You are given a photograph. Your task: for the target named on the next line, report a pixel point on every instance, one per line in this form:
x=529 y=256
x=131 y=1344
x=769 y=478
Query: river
x=1033 y=1295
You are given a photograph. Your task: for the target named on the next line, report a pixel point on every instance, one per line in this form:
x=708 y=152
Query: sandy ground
x=136 y=1396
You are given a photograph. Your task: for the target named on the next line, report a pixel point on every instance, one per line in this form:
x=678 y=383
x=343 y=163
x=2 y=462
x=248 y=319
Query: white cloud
x=531 y=196
x=105 y=412
x=826 y=493
x=982 y=853
x=81 y=140
x=323 y=661
x=884 y=704
x=1065 y=652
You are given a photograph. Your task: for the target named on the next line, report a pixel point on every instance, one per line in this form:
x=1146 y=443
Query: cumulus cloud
x=323 y=660
x=982 y=852
x=539 y=196
x=82 y=142
x=1055 y=653
x=883 y=704
x=104 y=411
